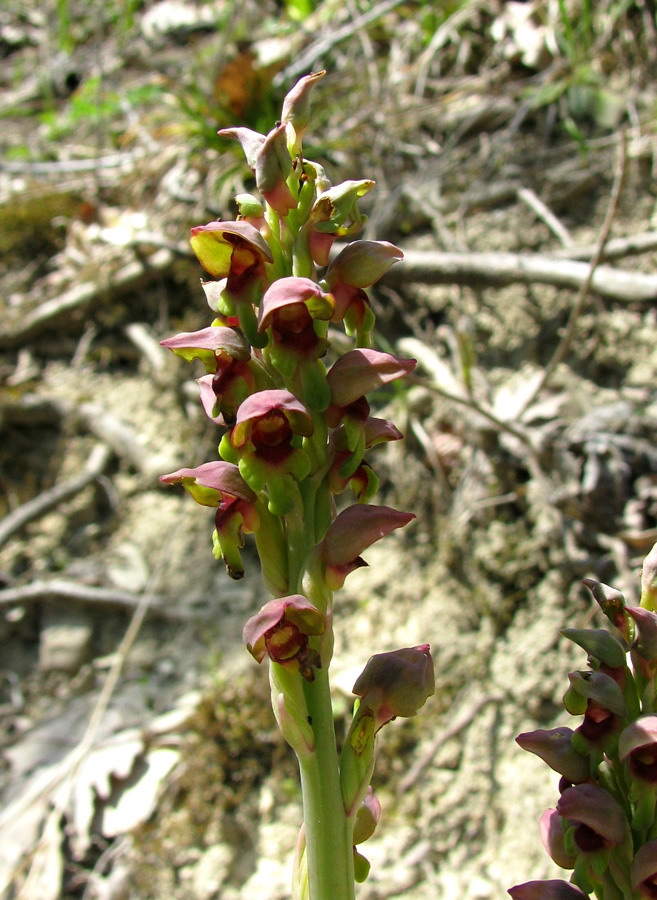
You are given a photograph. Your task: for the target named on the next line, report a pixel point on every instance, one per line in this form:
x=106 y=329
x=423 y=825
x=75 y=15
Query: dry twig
x=48 y=500
x=585 y=287
x=498 y=269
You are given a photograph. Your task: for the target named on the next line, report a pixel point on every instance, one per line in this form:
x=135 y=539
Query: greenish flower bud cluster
x=604 y=824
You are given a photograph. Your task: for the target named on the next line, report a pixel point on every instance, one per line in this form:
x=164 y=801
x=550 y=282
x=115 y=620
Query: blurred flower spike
x=219 y=484
x=395 y=684
x=281 y=630
x=354 y=530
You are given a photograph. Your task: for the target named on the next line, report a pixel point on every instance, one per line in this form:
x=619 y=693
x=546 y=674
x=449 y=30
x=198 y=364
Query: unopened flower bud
x=296 y=109
x=550 y=828
x=367 y=817
x=554 y=747
x=397 y=683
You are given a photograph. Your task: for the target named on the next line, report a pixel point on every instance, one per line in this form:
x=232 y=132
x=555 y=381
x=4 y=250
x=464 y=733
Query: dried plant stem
x=585 y=288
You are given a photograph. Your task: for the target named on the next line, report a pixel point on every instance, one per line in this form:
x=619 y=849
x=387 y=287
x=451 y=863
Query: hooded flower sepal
x=353 y=531
x=264 y=441
x=637 y=747
x=281 y=631
x=597 y=821
x=392 y=684
x=397 y=683
x=349 y=379
x=359 y=265
x=219 y=484
x=272 y=169
x=296 y=110
x=612 y=604
x=237 y=252
x=227 y=360
x=211 y=345
x=599 y=644
x=269 y=159
x=293 y=313
x=554 y=889
x=554 y=746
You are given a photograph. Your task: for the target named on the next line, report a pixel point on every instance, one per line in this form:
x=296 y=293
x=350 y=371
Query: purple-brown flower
x=638 y=745
x=599 y=819
x=233 y=250
x=643 y=871
x=357 y=373
x=351 y=532
x=281 y=630
x=349 y=379
x=219 y=484
x=264 y=442
x=550 y=828
x=226 y=357
x=266 y=423
x=554 y=889
x=359 y=265
x=290 y=307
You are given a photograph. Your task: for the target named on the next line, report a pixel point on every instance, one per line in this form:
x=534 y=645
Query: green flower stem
x=328 y=832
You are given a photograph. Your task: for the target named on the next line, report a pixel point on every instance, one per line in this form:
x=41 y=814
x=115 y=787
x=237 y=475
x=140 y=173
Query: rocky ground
x=139 y=758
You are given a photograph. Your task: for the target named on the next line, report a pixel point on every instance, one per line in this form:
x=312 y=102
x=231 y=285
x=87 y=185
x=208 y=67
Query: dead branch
x=616 y=248
x=585 y=287
x=62 y=589
x=498 y=269
x=82 y=296
x=460 y=721
x=48 y=500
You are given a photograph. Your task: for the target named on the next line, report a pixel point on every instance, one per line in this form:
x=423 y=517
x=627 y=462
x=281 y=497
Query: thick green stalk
x=328 y=832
